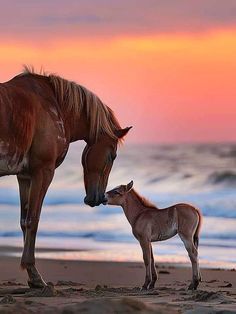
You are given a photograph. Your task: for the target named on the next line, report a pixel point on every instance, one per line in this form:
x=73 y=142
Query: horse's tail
x=196 y=234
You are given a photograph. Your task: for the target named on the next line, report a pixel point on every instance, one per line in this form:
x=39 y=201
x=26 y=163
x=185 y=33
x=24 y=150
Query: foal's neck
x=132 y=206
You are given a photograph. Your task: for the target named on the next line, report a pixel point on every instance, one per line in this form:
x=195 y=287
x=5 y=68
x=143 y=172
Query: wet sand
x=113 y=287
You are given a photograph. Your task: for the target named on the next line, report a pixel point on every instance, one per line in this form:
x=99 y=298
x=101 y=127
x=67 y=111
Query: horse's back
x=17 y=125
x=30 y=123
x=17 y=117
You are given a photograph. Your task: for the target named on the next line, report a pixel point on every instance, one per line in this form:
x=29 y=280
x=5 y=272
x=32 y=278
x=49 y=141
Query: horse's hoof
x=142 y=289
x=193 y=286
x=36 y=284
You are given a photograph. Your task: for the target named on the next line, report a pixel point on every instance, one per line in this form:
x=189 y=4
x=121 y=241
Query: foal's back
x=161 y=224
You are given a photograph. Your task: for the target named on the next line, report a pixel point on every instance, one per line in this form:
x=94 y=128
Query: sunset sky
x=167 y=67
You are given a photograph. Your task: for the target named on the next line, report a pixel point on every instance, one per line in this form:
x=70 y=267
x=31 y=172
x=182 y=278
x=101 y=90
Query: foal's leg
x=153 y=270
x=193 y=255
x=146 y=247
x=40 y=182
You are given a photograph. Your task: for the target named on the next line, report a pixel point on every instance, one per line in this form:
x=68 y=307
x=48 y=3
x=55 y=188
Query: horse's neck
x=78 y=129
x=132 y=207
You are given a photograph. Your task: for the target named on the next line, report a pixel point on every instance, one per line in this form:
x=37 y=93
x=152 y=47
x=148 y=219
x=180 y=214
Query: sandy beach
x=113 y=287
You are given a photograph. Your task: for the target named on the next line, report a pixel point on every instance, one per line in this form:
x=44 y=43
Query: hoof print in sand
x=47 y=291
x=8 y=299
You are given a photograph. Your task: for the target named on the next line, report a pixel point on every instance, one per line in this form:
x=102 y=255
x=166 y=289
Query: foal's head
x=97 y=160
x=117 y=195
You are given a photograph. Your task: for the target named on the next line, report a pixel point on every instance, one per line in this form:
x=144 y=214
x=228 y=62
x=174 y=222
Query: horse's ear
x=122 y=132
x=129 y=186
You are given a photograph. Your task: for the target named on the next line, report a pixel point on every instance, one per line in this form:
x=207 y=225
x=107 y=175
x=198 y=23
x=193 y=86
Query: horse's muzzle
x=95 y=201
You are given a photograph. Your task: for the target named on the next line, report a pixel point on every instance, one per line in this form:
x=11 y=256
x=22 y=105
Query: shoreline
x=99 y=255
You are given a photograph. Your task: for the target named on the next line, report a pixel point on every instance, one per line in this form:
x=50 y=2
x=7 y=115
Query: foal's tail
x=196 y=234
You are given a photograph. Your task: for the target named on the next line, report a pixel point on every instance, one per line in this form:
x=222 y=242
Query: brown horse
x=40 y=115
x=150 y=224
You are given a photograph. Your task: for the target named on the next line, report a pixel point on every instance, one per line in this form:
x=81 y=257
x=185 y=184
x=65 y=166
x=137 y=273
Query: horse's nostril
x=96 y=200
x=86 y=200
x=89 y=202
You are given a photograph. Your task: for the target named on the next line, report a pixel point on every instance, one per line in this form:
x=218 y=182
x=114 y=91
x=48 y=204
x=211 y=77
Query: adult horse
x=40 y=115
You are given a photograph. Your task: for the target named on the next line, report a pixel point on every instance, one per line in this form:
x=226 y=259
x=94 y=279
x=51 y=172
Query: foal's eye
x=116 y=193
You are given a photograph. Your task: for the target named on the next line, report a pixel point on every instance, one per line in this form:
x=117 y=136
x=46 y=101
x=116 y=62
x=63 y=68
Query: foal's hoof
x=36 y=284
x=151 y=286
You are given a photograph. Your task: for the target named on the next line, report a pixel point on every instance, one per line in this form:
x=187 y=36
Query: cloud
x=72 y=20
x=114 y=18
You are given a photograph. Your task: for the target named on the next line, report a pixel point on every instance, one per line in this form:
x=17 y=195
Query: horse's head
x=97 y=161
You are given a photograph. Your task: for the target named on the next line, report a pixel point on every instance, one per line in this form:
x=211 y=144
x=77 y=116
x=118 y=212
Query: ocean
x=201 y=174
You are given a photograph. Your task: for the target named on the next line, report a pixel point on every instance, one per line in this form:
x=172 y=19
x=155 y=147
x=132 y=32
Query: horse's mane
x=73 y=98
x=145 y=202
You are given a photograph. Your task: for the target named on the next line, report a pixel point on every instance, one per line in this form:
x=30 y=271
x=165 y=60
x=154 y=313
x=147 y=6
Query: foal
x=150 y=224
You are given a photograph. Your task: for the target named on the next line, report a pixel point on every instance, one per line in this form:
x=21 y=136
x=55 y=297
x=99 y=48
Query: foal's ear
x=129 y=186
x=122 y=132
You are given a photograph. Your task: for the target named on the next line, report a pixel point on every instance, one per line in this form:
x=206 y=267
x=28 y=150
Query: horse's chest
x=11 y=162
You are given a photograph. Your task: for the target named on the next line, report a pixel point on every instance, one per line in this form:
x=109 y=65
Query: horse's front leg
x=35 y=279
x=24 y=187
x=40 y=181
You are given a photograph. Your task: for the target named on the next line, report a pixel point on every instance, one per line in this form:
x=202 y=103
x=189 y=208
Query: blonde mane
x=74 y=98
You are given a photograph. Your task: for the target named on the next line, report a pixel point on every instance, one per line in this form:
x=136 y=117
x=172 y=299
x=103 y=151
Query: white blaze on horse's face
x=10 y=163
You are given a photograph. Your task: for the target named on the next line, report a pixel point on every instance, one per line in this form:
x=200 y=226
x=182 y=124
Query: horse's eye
x=112 y=157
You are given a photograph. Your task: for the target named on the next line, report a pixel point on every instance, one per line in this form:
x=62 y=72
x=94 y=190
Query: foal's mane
x=74 y=98
x=144 y=201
